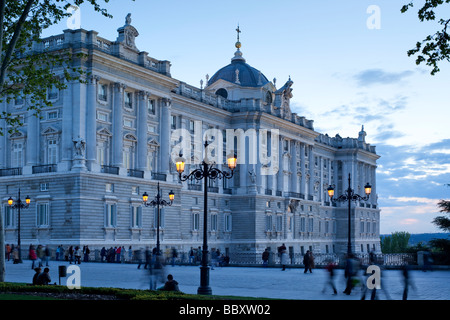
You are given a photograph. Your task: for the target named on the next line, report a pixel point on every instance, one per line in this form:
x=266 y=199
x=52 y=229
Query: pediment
x=18 y=135
x=50 y=130
x=104 y=132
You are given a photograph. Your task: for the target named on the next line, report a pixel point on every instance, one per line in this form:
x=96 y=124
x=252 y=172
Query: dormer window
x=268 y=97
x=222 y=92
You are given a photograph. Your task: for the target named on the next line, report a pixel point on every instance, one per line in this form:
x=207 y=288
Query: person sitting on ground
x=170 y=285
x=36 y=275
x=44 y=277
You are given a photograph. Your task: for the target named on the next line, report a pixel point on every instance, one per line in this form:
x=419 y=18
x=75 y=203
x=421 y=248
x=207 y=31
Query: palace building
x=87 y=161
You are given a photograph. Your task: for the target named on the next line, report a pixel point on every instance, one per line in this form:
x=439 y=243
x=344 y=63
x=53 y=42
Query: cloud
x=378 y=76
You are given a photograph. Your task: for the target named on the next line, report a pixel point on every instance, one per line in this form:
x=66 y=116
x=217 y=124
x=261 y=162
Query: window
x=228 y=222
x=311 y=224
x=214 y=222
x=42 y=214
x=151 y=106
x=361 y=227
x=222 y=92
x=286 y=145
x=269 y=223
x=110 y=215
x=8 y=216
x=102 y=92
x=191 y=126
x=17 y=155
x=128 y=100
x=135 y=190
x=109 y=187
x=128 y=123
x=302 y=224
x=52 y=93
x=195 y=221
x=52 y=115
x=279 y=223
x=44 y=186
x=102 y=116
x=52 y=152
x=136 y=217
x=173 y=122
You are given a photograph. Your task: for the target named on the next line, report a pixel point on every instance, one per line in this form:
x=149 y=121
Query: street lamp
x=205 y=171
x=157 y=202
x=349 y=196
x=19 y=205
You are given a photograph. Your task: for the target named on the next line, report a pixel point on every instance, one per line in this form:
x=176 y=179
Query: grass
x=21 y=291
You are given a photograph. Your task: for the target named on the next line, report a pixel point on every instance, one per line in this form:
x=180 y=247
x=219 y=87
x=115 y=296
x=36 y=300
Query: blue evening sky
x=345 y=75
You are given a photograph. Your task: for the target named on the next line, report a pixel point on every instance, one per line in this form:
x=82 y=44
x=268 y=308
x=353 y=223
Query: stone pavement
x=256 y=282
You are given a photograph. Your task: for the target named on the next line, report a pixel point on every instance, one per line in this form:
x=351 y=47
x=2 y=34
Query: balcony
x=110 y=170
x=159 y=176
x=195 y=187
x=294 y=195
x=213 y=189
x=47 y=168
x=268 y=192
x=135 y=173
x=10 y=172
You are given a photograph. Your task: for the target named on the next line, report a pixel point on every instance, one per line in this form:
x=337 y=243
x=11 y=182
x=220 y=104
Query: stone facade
x=105 y=142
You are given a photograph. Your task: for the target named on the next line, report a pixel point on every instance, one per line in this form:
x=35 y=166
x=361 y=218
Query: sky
x=349 y=64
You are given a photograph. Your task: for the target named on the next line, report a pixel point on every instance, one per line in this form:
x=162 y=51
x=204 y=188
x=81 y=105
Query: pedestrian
x=407 y=282
x=307 y=261
x=330 y=282
x=265 y=257
x=71 y=254
x=7 y=251
x=118 y=253
x=40 y=254
x=139 y=257
x=32 y=255
x=174 y=256
x=36 y=275
x=170 y=285
x=57 y=253
x=281 y=251
x=123 y=255
x=102 y=254
x=191 y=256
x=77 y=254
x=86 y=253
x=44 y=278
x=47 y=254
x=351 y=271
x=284 y=259
x=15 y=254
x=130 y=254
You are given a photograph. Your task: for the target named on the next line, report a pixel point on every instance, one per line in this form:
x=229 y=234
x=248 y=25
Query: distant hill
x=425 y=237
x=416 y=238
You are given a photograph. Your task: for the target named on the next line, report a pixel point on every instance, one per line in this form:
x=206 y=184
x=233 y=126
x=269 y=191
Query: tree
x=397 y=242
x=436 y=47
x=442 y=222
x=26 y=74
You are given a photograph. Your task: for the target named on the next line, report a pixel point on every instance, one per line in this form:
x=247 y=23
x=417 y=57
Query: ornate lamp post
x=157 y=202
x=350 y=196
x=19 y=205
x=206 y=171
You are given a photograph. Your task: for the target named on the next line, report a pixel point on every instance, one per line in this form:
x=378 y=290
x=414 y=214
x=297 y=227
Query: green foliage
x=436 y=47
x=397 y=242
x=25 y=73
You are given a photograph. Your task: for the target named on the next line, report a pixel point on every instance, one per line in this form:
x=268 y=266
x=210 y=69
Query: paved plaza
x=256 y=282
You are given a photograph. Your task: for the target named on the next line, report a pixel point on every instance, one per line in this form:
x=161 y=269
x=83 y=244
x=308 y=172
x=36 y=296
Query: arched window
x=269 y=97
x=222 y=92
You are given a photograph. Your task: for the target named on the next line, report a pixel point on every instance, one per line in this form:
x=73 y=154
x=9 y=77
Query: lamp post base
x=204 y=288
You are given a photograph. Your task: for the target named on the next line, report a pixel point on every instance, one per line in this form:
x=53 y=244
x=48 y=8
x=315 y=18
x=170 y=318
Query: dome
x=239 y=72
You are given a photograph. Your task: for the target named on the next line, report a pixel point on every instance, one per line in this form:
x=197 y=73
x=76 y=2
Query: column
x=293 y=181
x=311 y=172
x=117 y=139
x=66 y=135
x=281 y=166
x=79 y=125
x=302 y=168
x=91 y=125
x=142 y=129
x=32 y=143
x=164 y=142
